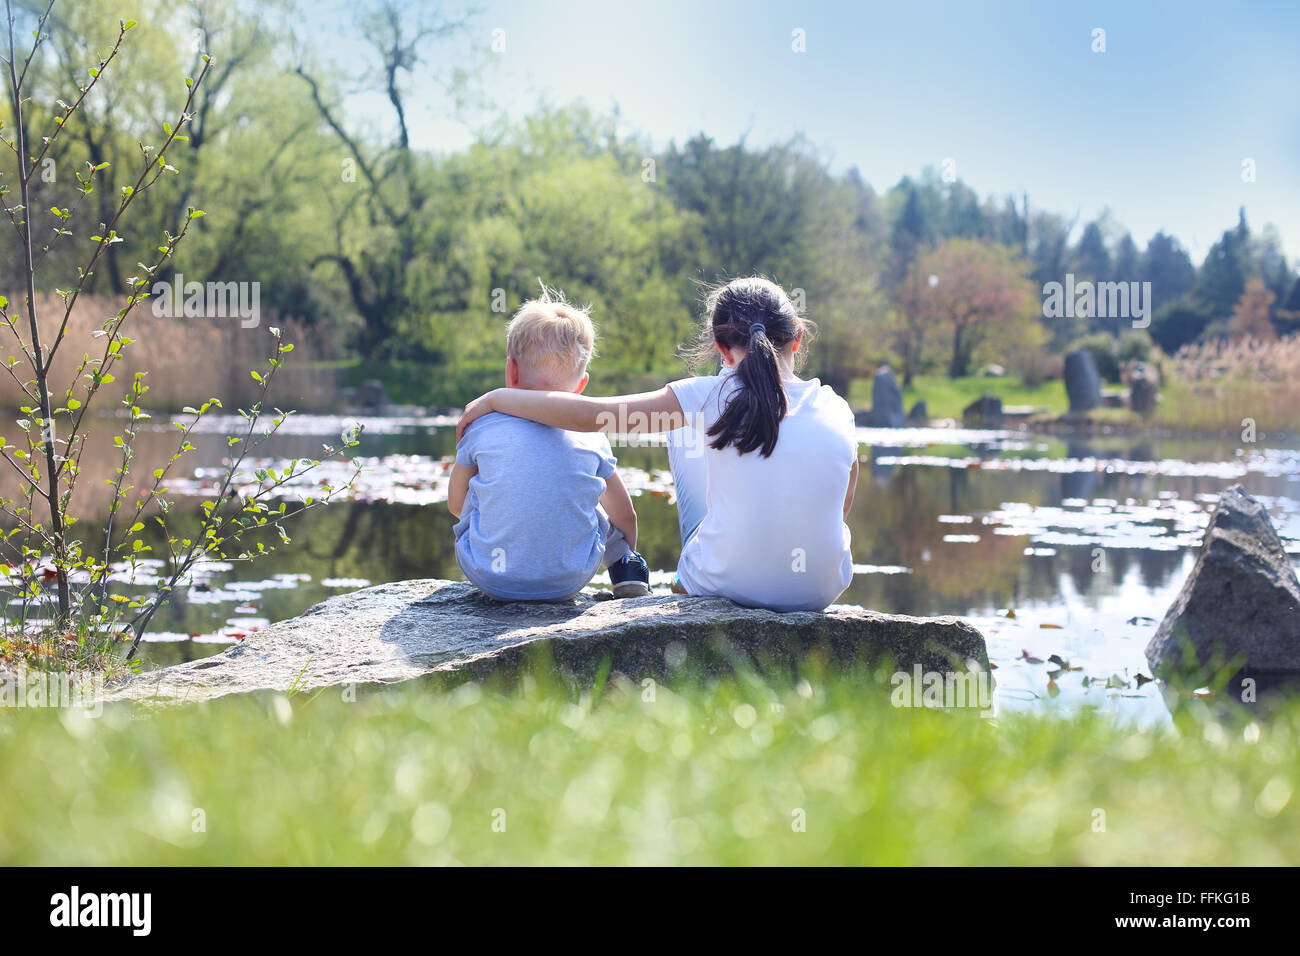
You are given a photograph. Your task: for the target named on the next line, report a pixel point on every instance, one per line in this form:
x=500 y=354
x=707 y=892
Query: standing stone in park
x=1082 y=381
x=984 y=412
x=887 y=400
x=919 y=415
x=372 y=394
x=1240 y=605
x=1143 y=389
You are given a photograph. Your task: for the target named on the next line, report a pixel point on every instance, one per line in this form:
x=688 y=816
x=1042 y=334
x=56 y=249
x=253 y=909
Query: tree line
x=390 y=252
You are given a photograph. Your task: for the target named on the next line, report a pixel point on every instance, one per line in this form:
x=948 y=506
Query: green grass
x=946 y=397
x=708 y=776
x=1123 y=419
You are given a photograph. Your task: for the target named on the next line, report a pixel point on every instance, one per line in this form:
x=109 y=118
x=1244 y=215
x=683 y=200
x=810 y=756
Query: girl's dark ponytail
x=754 y=314
x=752 y=418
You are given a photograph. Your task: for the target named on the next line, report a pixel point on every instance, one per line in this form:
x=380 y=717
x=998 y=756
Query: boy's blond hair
x=551 y=339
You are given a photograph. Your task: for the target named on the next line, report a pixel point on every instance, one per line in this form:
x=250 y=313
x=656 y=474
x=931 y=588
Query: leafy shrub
x=1135 y=345
x=1177 y=325
x=1104 y=351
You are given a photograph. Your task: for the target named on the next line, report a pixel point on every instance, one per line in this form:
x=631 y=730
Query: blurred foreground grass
x=722 y=775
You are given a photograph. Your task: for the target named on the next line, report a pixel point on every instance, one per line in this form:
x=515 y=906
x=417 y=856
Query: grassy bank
x=946 y=397
x=413 y=383
x=718 y=776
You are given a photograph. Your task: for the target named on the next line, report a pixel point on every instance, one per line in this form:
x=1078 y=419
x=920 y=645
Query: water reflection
x=1079 y=484
x=1086 y=542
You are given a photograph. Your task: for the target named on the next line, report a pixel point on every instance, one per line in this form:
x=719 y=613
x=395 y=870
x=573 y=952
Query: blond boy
x=541 y=509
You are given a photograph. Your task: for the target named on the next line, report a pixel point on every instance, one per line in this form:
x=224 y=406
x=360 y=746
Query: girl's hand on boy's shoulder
x=474 y=410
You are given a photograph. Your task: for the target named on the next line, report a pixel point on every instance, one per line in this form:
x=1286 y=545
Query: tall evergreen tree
x=1091 y=257
x=1287 y=312
x=1225 y=270
x=1010 y=225
x=1127 y=263
x=911 y=232
x=1168 y=267
x=963 y=217
x=1124 y=267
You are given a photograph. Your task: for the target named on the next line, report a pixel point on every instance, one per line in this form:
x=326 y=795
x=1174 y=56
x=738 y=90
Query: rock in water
x=1082 y=381
x=372 y=394
x=984 y=412
x=1144 y=390
x=410 y=629
x=1242 y=600
x=886 y=400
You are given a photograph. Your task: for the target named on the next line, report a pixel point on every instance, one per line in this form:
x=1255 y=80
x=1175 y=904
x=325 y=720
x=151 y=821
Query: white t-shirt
x=774 y=535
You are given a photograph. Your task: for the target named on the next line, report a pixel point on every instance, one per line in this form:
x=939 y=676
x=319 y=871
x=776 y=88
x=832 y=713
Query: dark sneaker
x=630 y=576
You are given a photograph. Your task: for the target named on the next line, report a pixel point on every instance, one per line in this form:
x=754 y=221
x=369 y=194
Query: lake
x=1070 y=549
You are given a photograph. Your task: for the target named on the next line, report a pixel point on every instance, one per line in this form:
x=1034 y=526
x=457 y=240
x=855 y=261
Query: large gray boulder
x=984 y=412
x=887 y=400
x=411 y=629
x=1082 y=381
x=1241 y=601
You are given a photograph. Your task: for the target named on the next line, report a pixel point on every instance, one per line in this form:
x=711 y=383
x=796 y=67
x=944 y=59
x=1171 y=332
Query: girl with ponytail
x=764 y=463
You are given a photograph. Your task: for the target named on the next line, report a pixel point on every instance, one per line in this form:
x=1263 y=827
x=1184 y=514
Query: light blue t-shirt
x=530 y=529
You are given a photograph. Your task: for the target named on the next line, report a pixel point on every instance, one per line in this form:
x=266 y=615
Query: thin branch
x=108 y=233
x=60 y=122
x=41 y=368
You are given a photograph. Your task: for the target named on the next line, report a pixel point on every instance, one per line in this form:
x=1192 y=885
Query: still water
x=1065 y=553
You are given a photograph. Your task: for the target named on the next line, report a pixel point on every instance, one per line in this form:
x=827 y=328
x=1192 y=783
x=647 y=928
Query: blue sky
x=1155 y=128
